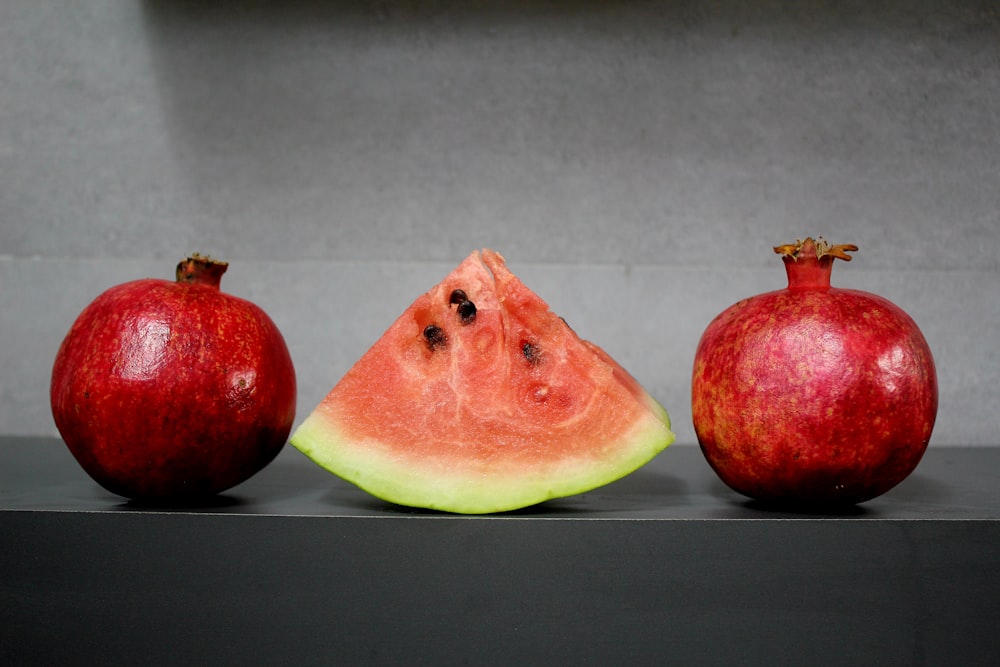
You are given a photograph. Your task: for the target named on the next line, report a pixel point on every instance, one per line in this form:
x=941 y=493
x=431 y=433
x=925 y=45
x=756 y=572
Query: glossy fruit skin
x=173 y=390
x=813 y=394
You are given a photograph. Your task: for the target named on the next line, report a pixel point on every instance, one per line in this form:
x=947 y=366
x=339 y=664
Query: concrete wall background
x=634 y=161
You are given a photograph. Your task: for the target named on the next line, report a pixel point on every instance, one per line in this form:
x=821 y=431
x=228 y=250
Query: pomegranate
x=813 y=394
x=173 y=390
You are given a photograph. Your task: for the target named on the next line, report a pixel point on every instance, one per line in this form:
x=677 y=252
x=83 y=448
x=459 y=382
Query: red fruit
x=173 y=390
x=812 y=393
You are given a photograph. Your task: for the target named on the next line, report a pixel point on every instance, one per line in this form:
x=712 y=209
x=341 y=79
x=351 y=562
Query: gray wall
x=634 y=161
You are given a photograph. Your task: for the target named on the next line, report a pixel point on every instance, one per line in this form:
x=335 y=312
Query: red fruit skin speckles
x=813 y=394
x=173 y=390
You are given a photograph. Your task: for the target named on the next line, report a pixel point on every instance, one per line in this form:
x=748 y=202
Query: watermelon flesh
x=479 y=399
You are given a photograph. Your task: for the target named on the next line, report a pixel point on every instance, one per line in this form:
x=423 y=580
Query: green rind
x=441 y=486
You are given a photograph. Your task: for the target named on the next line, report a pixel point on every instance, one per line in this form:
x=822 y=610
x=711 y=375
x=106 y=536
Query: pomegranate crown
x=815 y=249
x=201 y=269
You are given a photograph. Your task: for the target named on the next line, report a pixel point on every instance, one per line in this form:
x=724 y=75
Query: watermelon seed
x=457 y=296
x=531 y=353
x=435 y=336
x=467 y=311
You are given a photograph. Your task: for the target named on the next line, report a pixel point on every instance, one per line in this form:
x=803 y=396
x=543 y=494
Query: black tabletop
x=951 y=483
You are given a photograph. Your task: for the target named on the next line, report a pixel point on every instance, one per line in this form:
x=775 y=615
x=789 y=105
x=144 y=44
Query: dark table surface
x=667 y=566
x=951 y=483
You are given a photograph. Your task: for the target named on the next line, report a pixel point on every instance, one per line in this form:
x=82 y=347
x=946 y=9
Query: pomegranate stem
x=818 y=249
x=201 y=270
x=809 y=263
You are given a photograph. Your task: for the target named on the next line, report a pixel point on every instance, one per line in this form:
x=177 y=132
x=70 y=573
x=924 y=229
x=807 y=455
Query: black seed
x=435 y=336
x=457 y=296
x=467 y=311
x=531 y=352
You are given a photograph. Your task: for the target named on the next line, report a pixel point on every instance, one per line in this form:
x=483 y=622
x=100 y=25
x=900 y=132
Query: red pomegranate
x=169 y=390
x=813 y=394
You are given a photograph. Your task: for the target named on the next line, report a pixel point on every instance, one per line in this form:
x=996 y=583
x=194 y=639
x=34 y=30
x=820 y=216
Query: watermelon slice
x=479 y=399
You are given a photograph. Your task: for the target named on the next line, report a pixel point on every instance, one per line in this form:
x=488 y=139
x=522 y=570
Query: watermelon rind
x=372 y=467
